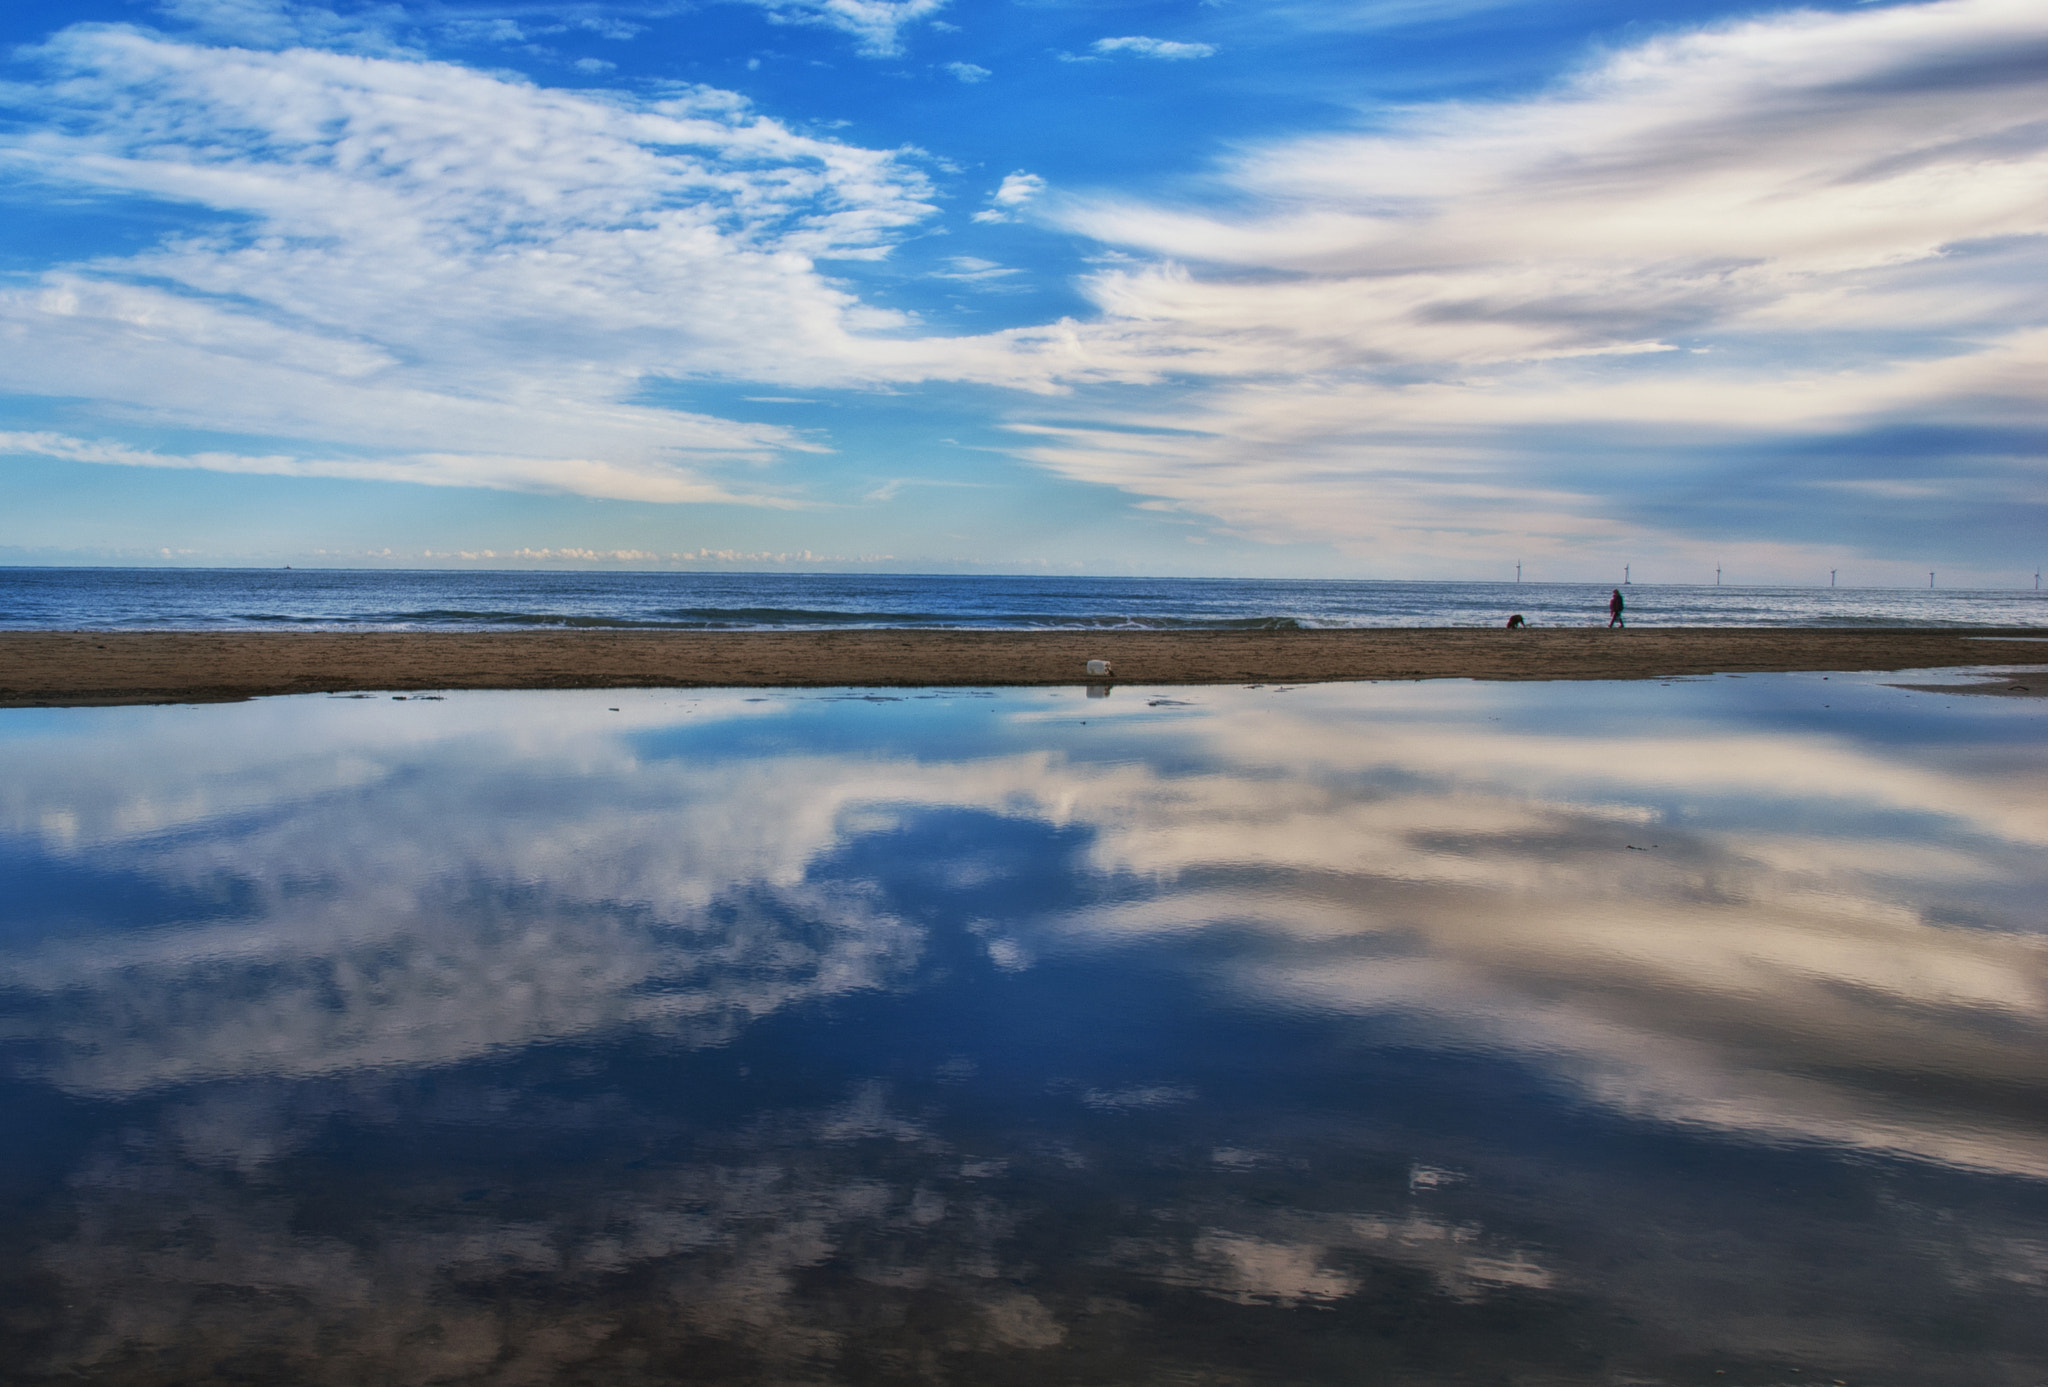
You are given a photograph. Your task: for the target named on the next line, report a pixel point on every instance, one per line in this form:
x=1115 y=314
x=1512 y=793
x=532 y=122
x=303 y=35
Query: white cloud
x=604 y=26
x=421 y=258
x=969 y=72
x=1166 y=50
x=646 y=481
x=876 y=25
x=1399 y=312
x=1371 y=347
x=498 y=30
x=1015 y=190
x=972 y=269
x=285 y=23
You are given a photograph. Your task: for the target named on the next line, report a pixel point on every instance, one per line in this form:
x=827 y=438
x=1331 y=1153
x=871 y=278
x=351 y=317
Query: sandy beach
x=56 y=668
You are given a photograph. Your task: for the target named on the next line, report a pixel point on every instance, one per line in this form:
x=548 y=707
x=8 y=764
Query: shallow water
x=1430 y=1033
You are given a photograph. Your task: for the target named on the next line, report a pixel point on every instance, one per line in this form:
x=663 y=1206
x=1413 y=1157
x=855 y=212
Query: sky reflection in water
x=1411 y=1032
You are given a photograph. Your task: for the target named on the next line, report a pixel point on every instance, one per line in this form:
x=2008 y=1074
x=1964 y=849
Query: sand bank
x=49 y=668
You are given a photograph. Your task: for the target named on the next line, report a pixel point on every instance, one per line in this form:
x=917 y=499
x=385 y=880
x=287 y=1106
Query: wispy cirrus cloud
x=1010 y=196
x=373 y=27
x=876 y=25
x=426 y=259
x=1794 y=226
x=406 y=269
x=641 y=481
x=1164 y=50
x=1462 y=323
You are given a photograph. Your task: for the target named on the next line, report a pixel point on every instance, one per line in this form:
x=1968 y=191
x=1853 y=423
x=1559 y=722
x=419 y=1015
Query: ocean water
x=173 y=599
x=1458 y=1033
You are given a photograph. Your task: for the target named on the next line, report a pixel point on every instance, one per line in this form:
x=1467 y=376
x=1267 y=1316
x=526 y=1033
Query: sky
x=1297 y=288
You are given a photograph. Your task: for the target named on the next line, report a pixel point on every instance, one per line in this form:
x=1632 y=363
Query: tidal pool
x=1405 y=1033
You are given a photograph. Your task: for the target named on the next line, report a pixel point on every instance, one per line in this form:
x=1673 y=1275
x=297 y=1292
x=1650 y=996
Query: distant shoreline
x=348 y=601
x=78 y=668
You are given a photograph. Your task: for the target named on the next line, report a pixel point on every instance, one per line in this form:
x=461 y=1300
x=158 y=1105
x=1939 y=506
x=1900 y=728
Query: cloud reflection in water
x=507 y=1037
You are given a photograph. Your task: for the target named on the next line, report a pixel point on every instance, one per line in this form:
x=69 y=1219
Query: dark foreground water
x=1407 y=1033
x=316 y=599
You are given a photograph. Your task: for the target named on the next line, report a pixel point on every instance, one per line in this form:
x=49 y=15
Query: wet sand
x=2007 y=683
x=58 y=668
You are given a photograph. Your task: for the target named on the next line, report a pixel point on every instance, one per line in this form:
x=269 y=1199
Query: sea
x=359 y=599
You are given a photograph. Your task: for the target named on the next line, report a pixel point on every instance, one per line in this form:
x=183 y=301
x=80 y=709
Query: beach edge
x=96 y=668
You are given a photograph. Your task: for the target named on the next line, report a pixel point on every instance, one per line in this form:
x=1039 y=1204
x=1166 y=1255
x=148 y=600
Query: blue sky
x=1417 y=288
